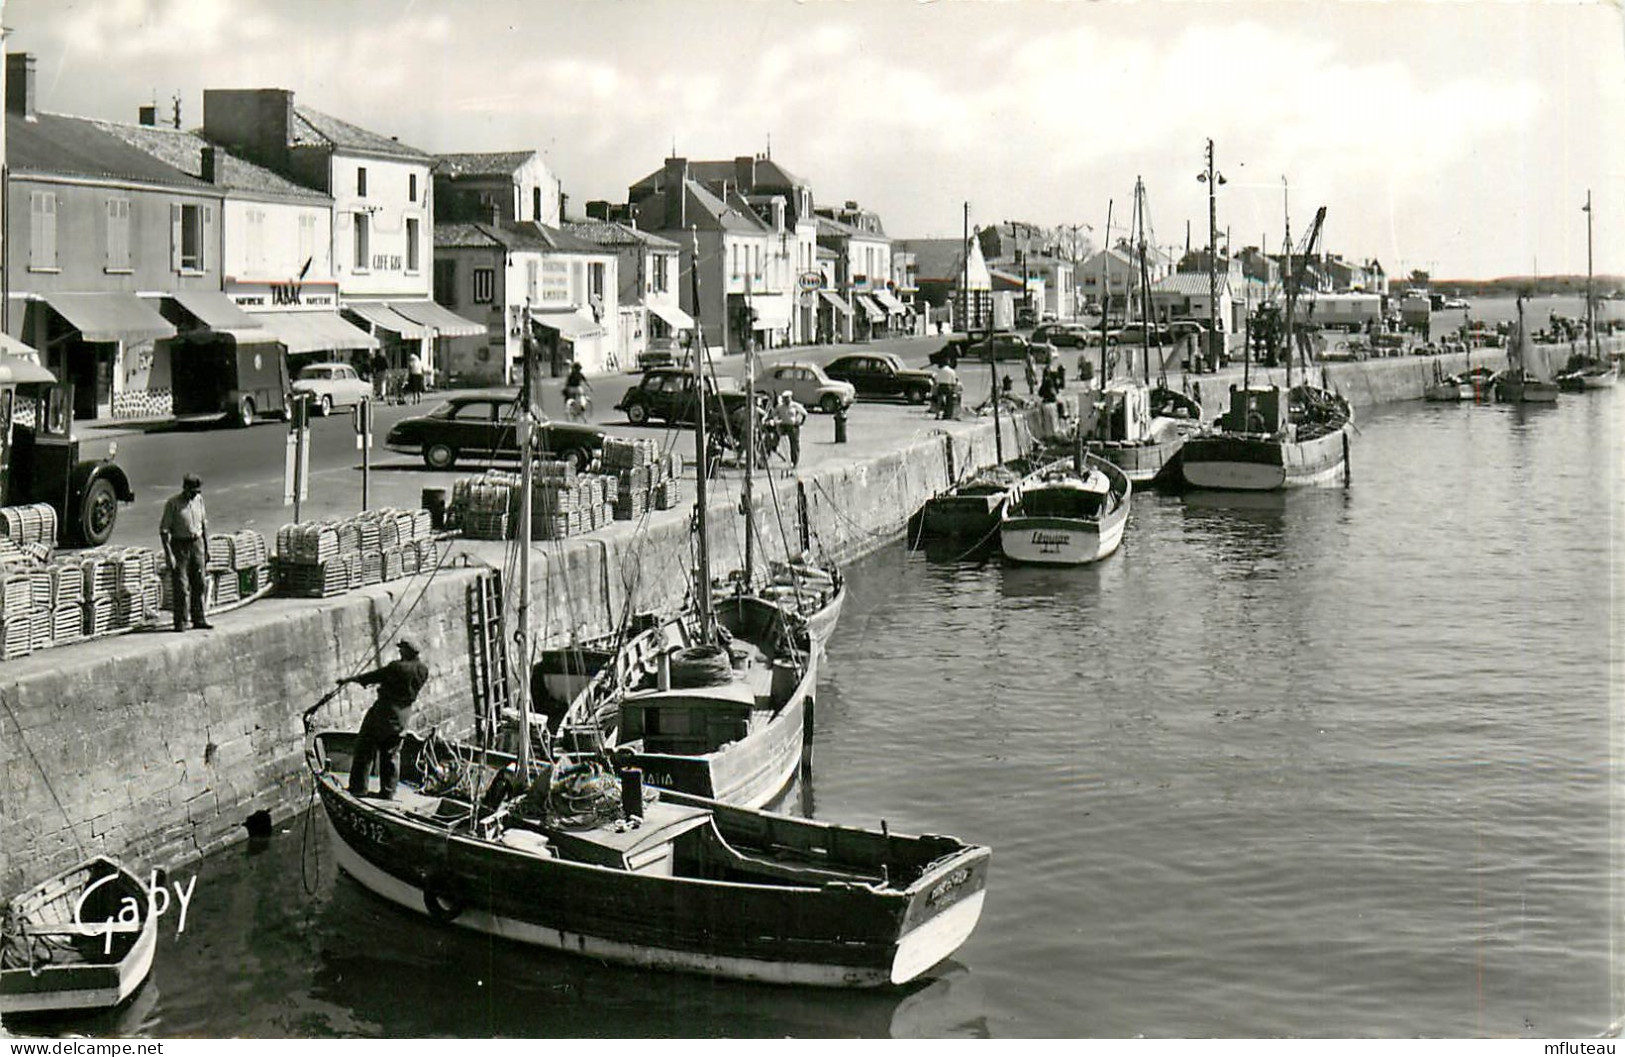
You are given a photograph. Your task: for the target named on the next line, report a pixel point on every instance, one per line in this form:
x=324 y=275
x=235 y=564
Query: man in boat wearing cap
x=184 y=533
x=379 y=739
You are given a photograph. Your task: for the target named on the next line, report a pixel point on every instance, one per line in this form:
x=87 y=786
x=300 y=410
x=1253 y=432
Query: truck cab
x=41 y=460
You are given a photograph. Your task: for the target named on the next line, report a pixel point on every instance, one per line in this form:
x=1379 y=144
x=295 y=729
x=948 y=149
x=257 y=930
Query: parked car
x=1002 y=346
x=1062 y=335
x=881 y=375
x=661 y=352
x=331 y=385
x=480 y=426
x=1026 y=316
x=810 y=386
x=666 y=394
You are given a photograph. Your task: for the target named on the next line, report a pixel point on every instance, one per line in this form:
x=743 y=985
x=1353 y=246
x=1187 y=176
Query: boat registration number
x=1050 y=542
x=946 y=886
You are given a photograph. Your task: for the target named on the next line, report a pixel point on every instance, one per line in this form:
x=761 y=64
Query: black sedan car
x=881 y=375
x=480 y=426
x=666 y=394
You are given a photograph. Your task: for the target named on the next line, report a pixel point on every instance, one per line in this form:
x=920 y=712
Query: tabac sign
x=285 y=294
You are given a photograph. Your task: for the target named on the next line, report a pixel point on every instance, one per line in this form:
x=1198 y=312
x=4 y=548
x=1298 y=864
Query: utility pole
x=964 y=272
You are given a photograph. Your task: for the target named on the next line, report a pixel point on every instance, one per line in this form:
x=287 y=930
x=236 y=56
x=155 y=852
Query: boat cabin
x=1125 y=413
x=1064 y=494
x=1256 y=410
x=685 y=721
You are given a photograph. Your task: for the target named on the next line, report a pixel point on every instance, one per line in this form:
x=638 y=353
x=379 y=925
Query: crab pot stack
x=33 y=523
x=328 y=558
x=640 y=469
x=565 y=503
x=250 y=563
x=488 y=504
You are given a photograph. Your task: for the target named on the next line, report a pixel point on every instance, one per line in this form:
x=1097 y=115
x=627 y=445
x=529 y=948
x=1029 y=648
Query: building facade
x=650 y=312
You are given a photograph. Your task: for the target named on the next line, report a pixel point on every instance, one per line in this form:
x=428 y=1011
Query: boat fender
x=441 y=907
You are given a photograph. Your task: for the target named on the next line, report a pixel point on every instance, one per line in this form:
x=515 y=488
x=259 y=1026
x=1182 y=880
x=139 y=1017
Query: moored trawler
x=1072 y=512
x=1270 y=439
x=1141 y=430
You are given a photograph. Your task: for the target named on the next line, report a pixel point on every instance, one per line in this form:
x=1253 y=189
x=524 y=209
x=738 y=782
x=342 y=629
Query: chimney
x=20 y=85
x=253 y=123
x=745 y=174
x=148 y=115
x=211 y=166
x=675 y=184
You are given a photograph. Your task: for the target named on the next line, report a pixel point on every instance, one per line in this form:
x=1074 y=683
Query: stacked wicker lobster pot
x=563 y=502
x=50 y=600
x=645 y=477
x=324 y=558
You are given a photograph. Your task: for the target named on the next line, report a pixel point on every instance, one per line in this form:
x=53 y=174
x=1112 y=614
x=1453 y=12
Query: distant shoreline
x=1529 y=285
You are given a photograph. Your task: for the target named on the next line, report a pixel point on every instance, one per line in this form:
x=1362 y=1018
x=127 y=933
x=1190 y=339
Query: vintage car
x=331 y=385
x=479 y=426
x=666 y=394
x=881 y=375
x=809 y=385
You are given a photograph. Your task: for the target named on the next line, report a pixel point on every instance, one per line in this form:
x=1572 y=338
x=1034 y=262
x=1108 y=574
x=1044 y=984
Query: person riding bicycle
x=576 y=401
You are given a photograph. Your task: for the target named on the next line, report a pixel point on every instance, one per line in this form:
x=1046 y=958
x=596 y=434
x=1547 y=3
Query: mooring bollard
x=840 y=425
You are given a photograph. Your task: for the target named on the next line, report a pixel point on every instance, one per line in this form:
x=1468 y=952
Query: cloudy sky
x=1458 y=137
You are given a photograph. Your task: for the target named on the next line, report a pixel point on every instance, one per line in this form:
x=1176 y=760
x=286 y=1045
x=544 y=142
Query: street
x=242 y=469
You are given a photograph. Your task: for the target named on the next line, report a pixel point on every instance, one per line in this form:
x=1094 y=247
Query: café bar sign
x=321 y=295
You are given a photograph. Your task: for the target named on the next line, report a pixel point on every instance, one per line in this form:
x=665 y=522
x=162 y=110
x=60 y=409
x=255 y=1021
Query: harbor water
x=1334 y=763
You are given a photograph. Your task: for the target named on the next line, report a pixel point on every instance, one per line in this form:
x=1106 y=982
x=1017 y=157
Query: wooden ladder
x=488 y=668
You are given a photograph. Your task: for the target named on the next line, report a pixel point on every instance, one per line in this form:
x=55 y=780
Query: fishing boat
x=1072 y=512
x=82 y=940
x=1589 y=371
x=1447 y=388
x=1142 y=429
x=1526 y=380
x=971 y=509
x=587 y=861
x=1271 y=438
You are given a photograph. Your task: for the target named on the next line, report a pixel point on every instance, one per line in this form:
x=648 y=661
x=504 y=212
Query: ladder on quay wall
x=488 y=668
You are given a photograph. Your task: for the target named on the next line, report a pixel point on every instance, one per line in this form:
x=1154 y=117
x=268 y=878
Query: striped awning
x=379 y=315
x=315 y=331
x=875 y=313
x=443 y=321
x=836 y=302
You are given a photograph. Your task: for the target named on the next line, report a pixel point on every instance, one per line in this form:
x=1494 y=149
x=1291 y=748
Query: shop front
x=834 y=318
x=103 y=345
x=566 y=337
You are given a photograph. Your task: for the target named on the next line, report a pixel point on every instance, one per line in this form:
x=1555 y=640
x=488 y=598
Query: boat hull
x=962 y=516
x=1141 y=463
x=1247 y=464
x=1061 y=541
x=94 y=980
x=830 y=935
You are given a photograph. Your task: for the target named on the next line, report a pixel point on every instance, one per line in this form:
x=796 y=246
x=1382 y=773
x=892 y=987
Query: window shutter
x=207 y=240
x=175 y=236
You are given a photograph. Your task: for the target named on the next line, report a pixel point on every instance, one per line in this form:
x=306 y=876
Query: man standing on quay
x=184 y=533
x=379 y=739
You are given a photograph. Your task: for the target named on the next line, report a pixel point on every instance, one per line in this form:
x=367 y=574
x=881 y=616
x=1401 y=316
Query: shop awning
x=875 y=313
x=889 y=302
x=836 y=302
x=772 y=311
x=315 y=331
x=10 y=346
x=676 y=318
x=380 y=315
x=219 y=313
x=17 y=370
x=111 y=317
x=574 y=324
x=444 y=322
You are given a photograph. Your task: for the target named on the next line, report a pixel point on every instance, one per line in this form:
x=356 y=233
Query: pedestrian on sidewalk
x=183 y=532
x=414 y=378
x=379 y=739
x=380 y=370
x=788 y=417
x=1031 y=370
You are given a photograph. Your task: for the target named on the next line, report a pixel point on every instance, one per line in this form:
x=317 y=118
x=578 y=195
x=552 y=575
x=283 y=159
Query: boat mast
x=1591 y=311
x=1105 y=292
x=1145 y=279
x=1291 y=280
x=750 y=434
x=702 y=571
x=527 y=424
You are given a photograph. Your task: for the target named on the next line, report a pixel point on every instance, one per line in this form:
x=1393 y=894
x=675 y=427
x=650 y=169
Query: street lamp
x=1213 y=181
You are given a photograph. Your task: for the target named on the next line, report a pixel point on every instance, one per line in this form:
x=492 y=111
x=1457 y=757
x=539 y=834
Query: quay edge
x=155 y=747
